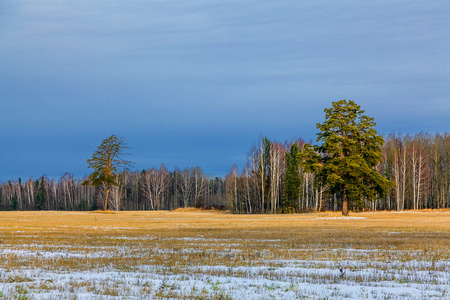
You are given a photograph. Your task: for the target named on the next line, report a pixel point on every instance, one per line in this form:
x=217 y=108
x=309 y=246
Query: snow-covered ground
x=109 y=272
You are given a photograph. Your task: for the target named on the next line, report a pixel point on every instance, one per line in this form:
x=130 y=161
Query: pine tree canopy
x=292 y=180
x=349 y=153
x=41 y=195
x=107 y=161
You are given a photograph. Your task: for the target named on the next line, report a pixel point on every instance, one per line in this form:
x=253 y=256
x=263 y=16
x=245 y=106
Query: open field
x=209 y=255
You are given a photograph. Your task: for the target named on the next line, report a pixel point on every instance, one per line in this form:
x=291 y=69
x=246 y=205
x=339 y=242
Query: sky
x=196 y=83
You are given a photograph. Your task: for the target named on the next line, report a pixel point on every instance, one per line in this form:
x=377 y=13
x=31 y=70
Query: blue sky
x=195 y=83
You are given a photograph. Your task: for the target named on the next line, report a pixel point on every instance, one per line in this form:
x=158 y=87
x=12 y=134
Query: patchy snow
x=361 y=274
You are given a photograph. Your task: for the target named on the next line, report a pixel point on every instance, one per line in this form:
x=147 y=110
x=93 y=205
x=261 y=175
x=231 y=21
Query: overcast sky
x=195 y=83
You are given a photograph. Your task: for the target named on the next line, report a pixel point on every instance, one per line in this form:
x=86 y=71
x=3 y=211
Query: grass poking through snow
x=211 y=255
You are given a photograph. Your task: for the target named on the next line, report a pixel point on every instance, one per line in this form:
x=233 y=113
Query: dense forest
x=152 y=189
x=271 y=181
x=274 y=181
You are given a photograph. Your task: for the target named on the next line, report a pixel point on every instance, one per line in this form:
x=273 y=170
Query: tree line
x=271 y=181
x=274 y=180
x=352 y=168
x=151 y=189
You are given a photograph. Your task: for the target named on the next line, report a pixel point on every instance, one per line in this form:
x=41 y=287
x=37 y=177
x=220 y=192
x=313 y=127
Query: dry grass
x=407 y=230
x=106 y=212
x=184 y=242
x=199 y=210
x=195 y=219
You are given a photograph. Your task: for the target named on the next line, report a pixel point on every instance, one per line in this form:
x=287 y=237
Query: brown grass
x=179 y=241
x=103 y=212
x=380 y=229
x=186 y=209
x=200 y=210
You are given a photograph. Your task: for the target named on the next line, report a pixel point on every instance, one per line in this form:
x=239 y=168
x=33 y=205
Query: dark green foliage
x=83 y=206
x=41 y=196
x=94 y=206
x=351 y=150
x=265 y=169
x=292 y=179
x=14 y=204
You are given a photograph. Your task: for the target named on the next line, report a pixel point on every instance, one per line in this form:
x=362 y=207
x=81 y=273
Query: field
x=210 y=255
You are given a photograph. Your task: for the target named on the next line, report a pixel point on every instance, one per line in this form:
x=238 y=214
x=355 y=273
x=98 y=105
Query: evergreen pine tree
x=350 y=152
x=292 y=180
x=41 y=195
x=107 y=161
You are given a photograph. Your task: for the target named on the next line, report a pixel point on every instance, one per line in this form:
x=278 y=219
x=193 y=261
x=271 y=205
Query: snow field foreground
x=361 y=274
x=263 y=260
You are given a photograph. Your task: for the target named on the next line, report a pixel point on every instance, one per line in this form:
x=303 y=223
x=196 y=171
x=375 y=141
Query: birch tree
x=186 y=187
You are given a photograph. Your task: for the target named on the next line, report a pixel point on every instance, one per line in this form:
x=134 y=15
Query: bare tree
x=200 y=183
x=232 y=188
x=186 y=187
x=247 y=189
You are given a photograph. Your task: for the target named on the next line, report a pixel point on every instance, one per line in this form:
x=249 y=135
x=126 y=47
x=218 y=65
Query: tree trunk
x=345 y=205
x=106 y=197
x=335 y=204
